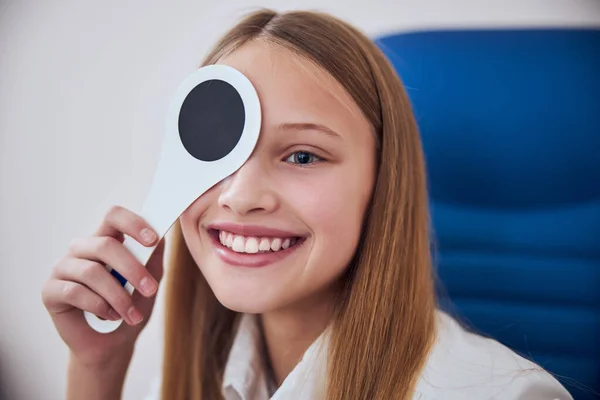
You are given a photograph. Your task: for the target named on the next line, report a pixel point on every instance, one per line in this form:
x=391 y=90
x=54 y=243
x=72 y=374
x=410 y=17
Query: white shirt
x=460 y=366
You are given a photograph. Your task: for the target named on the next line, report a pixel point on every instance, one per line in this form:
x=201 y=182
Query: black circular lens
x=211 y=120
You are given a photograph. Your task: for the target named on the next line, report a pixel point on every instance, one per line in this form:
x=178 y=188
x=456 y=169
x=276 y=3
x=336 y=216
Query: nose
x=248 y=190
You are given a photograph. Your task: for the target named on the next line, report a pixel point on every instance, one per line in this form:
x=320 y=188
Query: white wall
x=83 y=91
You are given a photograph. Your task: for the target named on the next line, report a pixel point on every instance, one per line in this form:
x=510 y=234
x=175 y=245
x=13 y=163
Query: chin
x=244 y=294
x=245 y=303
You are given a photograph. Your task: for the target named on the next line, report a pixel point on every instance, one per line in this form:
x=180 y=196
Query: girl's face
x=284 y=227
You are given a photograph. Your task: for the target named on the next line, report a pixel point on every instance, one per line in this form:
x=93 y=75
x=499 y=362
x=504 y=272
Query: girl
x=306 y=274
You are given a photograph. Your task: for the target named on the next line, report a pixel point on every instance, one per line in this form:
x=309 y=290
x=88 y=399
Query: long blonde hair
x=383 y=327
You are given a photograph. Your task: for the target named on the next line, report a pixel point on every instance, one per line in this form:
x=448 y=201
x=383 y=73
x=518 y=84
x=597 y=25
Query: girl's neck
x=288 y=333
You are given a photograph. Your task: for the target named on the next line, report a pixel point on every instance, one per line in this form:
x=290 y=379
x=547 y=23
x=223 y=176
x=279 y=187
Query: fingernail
x=134 y=315
x=148 y=286
x=148 y=236
x=113 y=314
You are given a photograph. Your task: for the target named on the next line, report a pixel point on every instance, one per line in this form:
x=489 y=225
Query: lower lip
x=250 y=260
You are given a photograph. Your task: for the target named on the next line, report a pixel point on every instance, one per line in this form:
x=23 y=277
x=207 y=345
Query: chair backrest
x=510 y=123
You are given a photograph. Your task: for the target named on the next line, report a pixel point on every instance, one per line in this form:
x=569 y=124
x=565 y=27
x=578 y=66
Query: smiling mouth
x=249 y=245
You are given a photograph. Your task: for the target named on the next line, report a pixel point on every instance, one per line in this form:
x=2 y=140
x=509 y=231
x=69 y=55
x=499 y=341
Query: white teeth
x=251 y=246
x=276 y=244
x=265 y=245
x=238 y=244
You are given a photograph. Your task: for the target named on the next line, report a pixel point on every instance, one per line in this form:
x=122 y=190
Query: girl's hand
x=80 y=282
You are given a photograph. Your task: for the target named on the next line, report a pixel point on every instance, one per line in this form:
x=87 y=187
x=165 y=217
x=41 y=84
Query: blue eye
x=302 y=158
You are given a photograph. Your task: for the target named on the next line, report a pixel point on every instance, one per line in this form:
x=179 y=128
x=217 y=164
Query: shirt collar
x=244 y=376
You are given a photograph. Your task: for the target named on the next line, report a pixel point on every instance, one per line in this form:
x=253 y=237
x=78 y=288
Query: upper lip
x=251 y=230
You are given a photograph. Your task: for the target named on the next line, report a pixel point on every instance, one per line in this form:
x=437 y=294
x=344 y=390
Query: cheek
x=332 y=205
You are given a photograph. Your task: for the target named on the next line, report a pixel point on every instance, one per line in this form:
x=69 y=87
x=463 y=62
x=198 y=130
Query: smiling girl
x=307 y=273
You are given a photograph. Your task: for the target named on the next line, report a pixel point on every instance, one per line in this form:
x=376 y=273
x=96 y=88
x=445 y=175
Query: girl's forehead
x=293 y=87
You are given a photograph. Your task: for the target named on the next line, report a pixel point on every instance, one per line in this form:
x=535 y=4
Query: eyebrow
x=303 y=126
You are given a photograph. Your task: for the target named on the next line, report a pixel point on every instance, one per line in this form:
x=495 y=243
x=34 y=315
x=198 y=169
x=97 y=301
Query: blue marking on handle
x=119 y=277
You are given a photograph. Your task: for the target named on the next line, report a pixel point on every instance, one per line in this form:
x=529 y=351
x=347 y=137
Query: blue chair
x=510 y=123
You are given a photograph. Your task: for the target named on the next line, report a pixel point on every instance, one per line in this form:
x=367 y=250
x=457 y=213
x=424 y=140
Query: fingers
x=94 y=277
x=109 y=251
x=119 y=221
x=61 y=296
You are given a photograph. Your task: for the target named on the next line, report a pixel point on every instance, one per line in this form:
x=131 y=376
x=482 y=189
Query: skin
x=314 y=199
x=323 y=200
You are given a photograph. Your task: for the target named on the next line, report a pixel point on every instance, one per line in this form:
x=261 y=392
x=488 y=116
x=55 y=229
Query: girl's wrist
x=97 y=380
x=105 y=360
